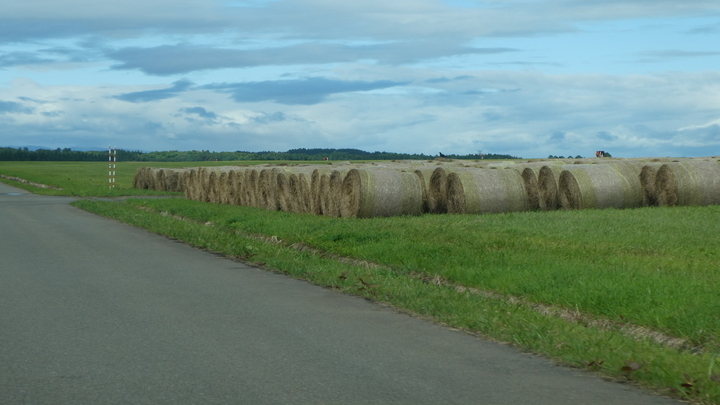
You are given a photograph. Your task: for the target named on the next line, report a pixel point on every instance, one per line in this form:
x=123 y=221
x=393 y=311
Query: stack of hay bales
x=611 y=185
x=439 y=187
x=486 y=190
x=692 y=182
x=368 y=193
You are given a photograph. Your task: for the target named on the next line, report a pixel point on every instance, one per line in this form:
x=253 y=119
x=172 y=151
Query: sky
x=529 y=78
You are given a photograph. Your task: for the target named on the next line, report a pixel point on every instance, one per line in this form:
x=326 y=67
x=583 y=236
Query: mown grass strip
x=666 y=370
x=652 y=267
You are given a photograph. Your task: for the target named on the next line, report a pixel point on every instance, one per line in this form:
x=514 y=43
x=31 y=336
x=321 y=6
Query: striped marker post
x=112 y=158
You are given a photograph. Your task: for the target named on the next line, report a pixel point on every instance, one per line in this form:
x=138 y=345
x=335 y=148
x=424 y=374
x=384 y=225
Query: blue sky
x=530 y=78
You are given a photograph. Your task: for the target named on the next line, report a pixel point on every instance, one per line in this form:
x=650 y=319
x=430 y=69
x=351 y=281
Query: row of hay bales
x=417 y=187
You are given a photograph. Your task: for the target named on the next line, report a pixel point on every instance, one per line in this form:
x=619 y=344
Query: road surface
x=93 y=311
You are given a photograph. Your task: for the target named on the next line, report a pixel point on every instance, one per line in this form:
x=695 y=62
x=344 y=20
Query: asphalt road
x=93 y=311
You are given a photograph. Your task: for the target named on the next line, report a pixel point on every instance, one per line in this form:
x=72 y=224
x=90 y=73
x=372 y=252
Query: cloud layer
x=560 y=77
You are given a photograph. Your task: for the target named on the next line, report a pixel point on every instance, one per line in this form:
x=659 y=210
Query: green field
x=630 y=294
x=85 y=179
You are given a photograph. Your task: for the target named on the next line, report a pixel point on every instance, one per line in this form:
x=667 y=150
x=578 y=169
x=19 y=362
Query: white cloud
x=528 y=78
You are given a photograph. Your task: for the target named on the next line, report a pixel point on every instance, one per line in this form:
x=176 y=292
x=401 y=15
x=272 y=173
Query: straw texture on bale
x=480 y=191
x=213 y=188
x=413 y=187
x=695 y=182
x=175 y=180
x=424 y=175
x=267 y=189
x=438 y=189
x=160 y=180
x=370 y=193
x=250 y=188
x=235 y=183
x=530 y=180
x=169 y=180
x=648 y=174
x=437 y=192
x=291 y=193
x=548 y=191
x=331 y=187
x=324 y=194
x=284 y=194
x=191 y=184
x=314 y=198
x=303 y=192
x=141 y=178
x=203 y=184
x=611 y=185
x=297 y=193
x=137 y=178
x=336 y=180
x=227 y=187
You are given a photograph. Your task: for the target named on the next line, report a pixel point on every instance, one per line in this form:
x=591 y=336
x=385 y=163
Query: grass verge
x=655 y=268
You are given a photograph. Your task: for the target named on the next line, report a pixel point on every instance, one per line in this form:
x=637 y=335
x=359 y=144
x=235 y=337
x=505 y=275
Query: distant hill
x=100 y=154
x=75 y=148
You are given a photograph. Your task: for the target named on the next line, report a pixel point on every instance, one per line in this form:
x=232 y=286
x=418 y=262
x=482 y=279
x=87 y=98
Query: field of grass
x=85 y=179
x=621 y=279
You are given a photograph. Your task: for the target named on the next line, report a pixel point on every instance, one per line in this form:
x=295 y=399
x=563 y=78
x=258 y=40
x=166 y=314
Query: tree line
x=67 y=154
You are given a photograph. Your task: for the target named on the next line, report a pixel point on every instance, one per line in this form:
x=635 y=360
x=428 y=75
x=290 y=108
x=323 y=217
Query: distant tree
x=67 y=154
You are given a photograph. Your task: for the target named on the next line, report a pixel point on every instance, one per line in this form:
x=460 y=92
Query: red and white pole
x=112 y=158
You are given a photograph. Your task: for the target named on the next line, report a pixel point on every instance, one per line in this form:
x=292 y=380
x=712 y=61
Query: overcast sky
x=530 y=78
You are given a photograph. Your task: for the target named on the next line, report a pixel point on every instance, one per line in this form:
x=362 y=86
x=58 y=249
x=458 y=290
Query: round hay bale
x=437 y=196
x=174 y=180
x=151 y=178
x=160 y=180
x=500 y=164
x=231 y=182
x=530 y=180
x=212 y=192
x=424 y=175
x=368 y=193
x=300 y=185
x=225 y=190
x=314 y=198
x=191 y=184
x=685 y=183
x=648 y=174
x=143 y=179
x=267 y=189
x=324 y=194
x=213 y=183
x=316 y=190
x=137 y=178
x=612 y=185
x=281 y=182
x=335 y=191
x=330 y=191
x=251 y=193
x=437 y=192
x=288 y=192
x=548 y=191
x=203 y=183
x=479 y=191
x=303 y=192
